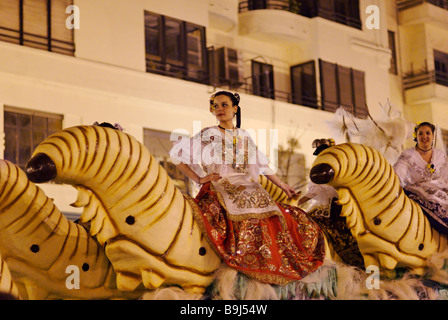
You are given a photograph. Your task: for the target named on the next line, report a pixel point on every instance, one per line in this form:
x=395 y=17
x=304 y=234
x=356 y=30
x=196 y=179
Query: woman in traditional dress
x=423 y=174
x=272 y=242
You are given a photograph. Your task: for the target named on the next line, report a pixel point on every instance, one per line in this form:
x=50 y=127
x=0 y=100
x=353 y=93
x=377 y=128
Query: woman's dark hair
x=235 y=97
x=428 y=124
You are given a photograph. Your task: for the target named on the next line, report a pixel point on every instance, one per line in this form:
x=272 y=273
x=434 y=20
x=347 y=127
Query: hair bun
x=237 y=97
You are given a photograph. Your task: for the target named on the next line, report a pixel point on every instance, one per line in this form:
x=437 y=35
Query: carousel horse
x=38 y=243
x=391 y=230
x=135 y=212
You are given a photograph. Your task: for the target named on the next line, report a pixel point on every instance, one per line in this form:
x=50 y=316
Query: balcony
x=274 y=22
x=423 y=11
x=426 y=86
x=223 y=14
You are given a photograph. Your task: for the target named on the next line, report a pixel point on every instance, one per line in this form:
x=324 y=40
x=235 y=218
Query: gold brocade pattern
x=243 y=199
x=335 y=228
x=261 y=247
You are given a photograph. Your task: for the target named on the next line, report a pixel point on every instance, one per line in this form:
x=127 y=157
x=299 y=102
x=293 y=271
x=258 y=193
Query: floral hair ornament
x=322 y=144
x=415 y=131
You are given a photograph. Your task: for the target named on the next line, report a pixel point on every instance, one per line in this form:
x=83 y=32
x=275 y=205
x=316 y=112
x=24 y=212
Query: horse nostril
x=40 y=168
x=322 y=173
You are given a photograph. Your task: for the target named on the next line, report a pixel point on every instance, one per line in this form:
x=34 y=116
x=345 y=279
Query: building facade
x=151 y=66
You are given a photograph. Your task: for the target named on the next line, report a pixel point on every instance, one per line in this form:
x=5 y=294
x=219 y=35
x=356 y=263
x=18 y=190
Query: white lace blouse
x=235 y=157
x=428 y=181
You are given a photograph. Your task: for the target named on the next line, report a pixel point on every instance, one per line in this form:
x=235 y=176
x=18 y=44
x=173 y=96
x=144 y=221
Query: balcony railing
x=306 y=9
x=177 y=71
x=406 y=4
x=424 y=78
x=261 y=4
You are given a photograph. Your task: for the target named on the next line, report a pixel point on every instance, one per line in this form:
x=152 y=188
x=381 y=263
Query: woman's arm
x=187 y=171
x=285 y=187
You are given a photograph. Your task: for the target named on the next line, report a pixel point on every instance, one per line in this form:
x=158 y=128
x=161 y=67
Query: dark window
x=257 y=4
x=341 y=11
x=175 y=48
x=342 y=86
x=24 y=130
x=393 y=59
x=226 y=67
x=263 y=79
x=329 y=88
x=441 y=67
x=303 y=84
x=440 y=3
x=37 y=23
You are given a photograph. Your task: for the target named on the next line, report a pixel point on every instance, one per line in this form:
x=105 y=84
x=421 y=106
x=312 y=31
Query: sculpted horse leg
x=391 y=229
x=38 y=244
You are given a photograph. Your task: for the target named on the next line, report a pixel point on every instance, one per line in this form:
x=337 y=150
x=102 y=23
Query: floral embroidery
x=260 y=248
x=258 y=198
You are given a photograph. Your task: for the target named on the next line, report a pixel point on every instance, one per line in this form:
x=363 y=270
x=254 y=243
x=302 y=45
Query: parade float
x=137 y=237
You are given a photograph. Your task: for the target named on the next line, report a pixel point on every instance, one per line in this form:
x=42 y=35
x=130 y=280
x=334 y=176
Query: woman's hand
x=289 y=190
x=209 y=177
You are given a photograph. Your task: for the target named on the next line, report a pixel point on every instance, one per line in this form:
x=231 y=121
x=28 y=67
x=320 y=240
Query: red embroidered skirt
x=268 y=249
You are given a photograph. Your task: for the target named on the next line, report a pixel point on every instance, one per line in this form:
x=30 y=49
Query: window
x=303 y=84
x=24 y=130
x=263 y=79
x=257 y=4
x=441 y=67
x=342 y=86
x=159 y=145
x=175 y=48
x=393 y=59
x=226 y=68
x=37 y=23
x=341 y=11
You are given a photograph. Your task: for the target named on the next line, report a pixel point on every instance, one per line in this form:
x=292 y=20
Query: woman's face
x=424 y=137
x=224 y=110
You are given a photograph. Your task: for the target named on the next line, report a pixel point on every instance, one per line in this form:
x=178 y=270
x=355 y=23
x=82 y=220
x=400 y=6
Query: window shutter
x=61 y=37
x=345 y=87
x=359 y=93
x=10 y=21
x=35 y=24
x=328 y=82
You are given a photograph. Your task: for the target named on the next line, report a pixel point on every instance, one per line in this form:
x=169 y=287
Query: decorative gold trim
x=268 y=278
x=198 y=219
x=254 y=215
x=245 y=216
